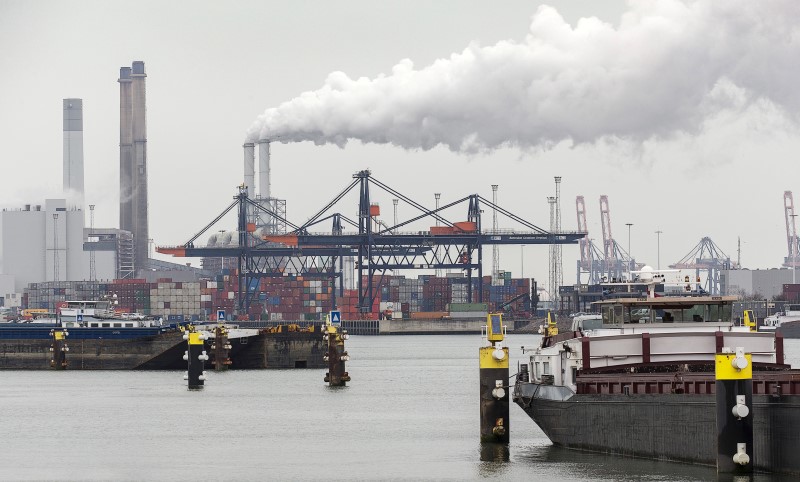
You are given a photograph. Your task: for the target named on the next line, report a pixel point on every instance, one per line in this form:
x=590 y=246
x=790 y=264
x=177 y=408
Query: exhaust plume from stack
x=669 y=68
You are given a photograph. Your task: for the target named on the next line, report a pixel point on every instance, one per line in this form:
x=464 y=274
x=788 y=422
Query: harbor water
x=410 y=413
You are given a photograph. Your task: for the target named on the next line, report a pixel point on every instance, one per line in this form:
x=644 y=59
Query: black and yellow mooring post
x=734 y=391
x=336 y=356
x=494 y=383
x=221 y=348
x=59 y=348
x=196 y=357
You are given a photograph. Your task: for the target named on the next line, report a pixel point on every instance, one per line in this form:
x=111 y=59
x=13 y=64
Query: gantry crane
x=792 y=241
x=706 y=256
x=618 y=262
x=592 y=261
x=377 y=248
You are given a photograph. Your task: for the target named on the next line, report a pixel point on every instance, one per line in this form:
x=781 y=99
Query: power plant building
x=46 y=243
x=133 y=215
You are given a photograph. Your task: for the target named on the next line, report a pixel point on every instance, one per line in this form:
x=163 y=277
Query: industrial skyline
x=722 y=177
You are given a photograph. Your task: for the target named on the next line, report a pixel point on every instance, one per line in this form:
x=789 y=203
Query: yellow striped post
x=494 y=389
x=734 y=394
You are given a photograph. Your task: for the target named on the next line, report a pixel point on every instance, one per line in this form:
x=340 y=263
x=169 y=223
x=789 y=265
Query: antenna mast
x=92 y=271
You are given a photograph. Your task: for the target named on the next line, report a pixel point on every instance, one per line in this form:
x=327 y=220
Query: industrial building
x=46 y=243
x=51 y=243
x=761 y=283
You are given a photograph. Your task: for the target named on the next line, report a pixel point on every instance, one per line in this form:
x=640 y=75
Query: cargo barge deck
x=28 y=347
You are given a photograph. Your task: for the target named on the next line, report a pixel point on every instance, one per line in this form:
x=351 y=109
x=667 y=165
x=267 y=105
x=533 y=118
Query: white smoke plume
x=667 y=68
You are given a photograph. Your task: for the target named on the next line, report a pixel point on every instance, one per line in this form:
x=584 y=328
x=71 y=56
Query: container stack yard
x=290 y=297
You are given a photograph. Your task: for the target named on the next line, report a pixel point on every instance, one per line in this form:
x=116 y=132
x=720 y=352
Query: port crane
x=792 y=241
x=618 y=262
x=706 y=256
x=375 y=247
x=592 y=261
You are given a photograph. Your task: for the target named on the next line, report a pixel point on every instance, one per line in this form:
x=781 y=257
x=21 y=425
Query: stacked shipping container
x=284 y=298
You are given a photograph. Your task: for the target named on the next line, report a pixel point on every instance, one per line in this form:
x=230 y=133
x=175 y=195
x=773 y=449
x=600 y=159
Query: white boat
x=101 y=314
x=772 y=323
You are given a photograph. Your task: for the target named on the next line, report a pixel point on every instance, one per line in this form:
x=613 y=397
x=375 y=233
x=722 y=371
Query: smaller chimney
x=263 y=168
x=250 y=168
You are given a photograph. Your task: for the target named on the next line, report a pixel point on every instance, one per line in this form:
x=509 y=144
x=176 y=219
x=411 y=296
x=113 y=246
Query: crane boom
x=584 y=242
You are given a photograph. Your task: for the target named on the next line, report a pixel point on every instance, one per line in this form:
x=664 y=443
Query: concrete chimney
x=140 y=216
x=250 y=168
x=133 y=159
x=263 y=169
x=125 y=151
x=73 y=151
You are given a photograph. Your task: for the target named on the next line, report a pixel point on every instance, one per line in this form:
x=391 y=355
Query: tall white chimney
x=250 y=168
x=73 y=151
x=263 y=168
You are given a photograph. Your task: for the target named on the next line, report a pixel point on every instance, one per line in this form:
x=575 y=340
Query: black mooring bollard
x=734 y=392
x=336 y=356
x=494 y=396
x=196 y=357
x=59 y=348
x=220 y=348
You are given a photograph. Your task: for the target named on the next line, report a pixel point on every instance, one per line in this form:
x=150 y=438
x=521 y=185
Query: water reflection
x=566 y=464
x=493 y=452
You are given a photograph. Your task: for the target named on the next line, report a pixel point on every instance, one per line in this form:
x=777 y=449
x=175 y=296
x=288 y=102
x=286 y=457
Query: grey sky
x=213 y=67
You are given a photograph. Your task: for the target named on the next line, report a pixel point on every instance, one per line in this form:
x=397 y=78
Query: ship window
x=618 y=314
x=574 y=374
x=606 y=311
x=719 y=313
x=106 y=325
x=128 y=325
x=546 y=368
x=538 y=372
x=117 y=325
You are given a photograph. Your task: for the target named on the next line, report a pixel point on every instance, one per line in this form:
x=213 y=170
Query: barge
x=640 y=382
x=95 y=339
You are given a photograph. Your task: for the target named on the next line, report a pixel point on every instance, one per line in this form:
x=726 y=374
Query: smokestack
x=133 y=159
x=139 y=127
x=73 y=151
x=250 y=168
x=125 y=151
x=263 y=168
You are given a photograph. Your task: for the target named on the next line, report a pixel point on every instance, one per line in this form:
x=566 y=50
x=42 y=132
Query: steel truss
x=378 y=248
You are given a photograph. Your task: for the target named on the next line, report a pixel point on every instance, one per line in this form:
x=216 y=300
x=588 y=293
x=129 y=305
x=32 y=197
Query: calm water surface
x=410 y=413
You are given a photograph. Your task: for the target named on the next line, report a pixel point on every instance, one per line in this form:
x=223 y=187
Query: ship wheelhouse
x=684 y=309
x=640 y=333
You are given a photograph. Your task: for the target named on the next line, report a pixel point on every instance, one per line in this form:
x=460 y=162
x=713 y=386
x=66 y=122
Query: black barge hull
x=30 y=349
x=674 y=427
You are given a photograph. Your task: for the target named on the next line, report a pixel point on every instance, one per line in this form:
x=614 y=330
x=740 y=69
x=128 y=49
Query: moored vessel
x=98 y=338
x=786 y=322
x=641 y=383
